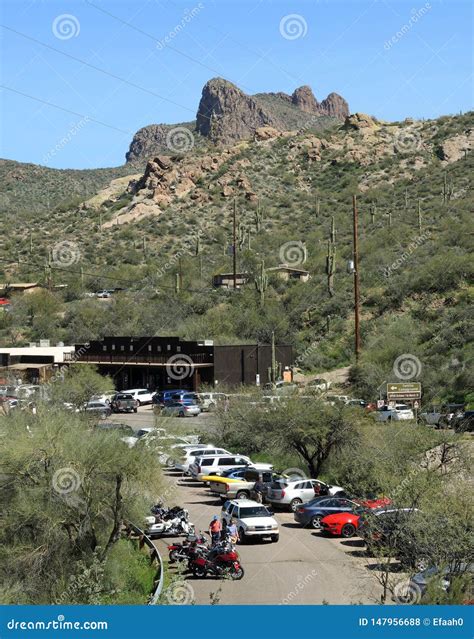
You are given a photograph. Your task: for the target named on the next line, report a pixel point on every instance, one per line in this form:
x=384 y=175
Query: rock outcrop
x=455 y=148
x=226 y=114
x=304 y=99
x=147 y=141
x=359 y=121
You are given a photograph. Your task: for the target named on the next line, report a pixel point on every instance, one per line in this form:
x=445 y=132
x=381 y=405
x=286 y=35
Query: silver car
x=293 y=493
x=176 y=409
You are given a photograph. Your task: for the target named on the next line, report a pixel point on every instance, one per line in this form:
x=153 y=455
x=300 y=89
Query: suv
x=401 y=412
x=142 y=395
x=292 y=494
x=207 y=464
x=161 y=397
x=190 y=454
x=251 y=518
x=209 y=401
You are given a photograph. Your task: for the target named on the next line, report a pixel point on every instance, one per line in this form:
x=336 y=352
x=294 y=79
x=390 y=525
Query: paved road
x=302 y=568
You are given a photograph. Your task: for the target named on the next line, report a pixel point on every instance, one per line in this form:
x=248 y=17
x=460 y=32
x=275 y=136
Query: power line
x=56 y=106
x=92 y=66
x=151 y=37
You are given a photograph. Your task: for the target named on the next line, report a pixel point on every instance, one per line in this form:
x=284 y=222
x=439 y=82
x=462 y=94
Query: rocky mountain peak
x=226 y=114
x=304 y=99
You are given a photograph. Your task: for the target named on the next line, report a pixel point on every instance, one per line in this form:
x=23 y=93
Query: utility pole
x=234 y=244
x=356 y=278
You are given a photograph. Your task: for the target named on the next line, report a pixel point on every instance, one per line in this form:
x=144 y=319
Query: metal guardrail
x=155 y=556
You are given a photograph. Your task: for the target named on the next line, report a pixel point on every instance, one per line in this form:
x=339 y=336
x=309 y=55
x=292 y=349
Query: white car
x=292 y=493
x=104 y=397
x=401 y=412
x=142 y=395
x=209 y=401
x=205 y=464
x=190 y=454
x=146 y=433
x=251 y=518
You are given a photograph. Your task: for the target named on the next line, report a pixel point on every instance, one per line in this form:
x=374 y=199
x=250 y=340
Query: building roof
x=285 y=267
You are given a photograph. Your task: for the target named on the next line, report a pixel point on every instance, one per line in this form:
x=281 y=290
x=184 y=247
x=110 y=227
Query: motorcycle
x=222 y=560
x=192 y=547
x=179 y=524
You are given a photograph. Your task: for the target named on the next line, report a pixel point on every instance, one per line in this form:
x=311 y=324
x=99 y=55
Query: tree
x=311 y=428
x=78 y=383
x=66 y=489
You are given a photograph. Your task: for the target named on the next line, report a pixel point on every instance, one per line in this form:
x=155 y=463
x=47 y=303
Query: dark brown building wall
x=235 y=365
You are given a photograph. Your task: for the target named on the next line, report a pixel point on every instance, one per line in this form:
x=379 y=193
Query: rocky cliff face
x=226 y=115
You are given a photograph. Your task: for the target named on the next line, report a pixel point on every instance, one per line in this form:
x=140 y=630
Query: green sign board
x=404 y=390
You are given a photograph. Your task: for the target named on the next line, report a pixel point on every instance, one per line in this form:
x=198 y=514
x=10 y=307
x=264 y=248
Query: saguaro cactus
x=258 y=218
x=419 y=215
x=261 y=283
x=241 y=233
x=331 y=258
x=198 y=244
x=373 y=211
x=448 y=189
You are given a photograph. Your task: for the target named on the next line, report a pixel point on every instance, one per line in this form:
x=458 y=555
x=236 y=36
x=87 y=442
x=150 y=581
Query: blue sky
x=391 y=58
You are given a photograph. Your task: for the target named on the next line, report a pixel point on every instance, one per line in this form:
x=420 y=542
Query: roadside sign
x=380 y=403
x=416 y=404
x=404 y=390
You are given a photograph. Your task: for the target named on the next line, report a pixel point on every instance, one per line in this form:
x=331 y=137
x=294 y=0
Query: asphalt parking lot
x=303 y=567
x=146 y=417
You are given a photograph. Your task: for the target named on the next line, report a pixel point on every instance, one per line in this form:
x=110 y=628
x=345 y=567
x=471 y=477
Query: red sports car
x=346 y=524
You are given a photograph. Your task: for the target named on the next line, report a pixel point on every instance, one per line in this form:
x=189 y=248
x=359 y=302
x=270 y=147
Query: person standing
x=215 y=529
x=259 y=490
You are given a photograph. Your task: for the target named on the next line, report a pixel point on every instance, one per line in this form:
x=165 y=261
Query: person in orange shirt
x=215 y=529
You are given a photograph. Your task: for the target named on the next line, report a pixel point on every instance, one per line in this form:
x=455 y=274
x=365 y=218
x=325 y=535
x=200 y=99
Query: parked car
x=251 y=518
x=100 y=409
x=342 y=524
x=384 y=526
x=142 y=395
x=104 y=294
x=106 y=397
x=443 y=578
x=464 y=423
x=160 y=398
x=243 y=487
x=178 y=409
x=188 y=456
x=205 y=465
x=114 y=427
x=337 y=399
x=291 y=494
x=210 y=401
x=400 y=412
x=441 y=415
x=146 y=434
x=359 y=403
x=312 y=513
x=123 y=403
x=319 y=384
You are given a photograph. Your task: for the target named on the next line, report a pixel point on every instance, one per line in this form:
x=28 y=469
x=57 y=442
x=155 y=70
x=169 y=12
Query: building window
x=131 y=347
x=178 y=349
x=168 y=347
x=113 y=347
x=104 y=347
x=158 y=348
x=149 y=347
x=122 y=347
